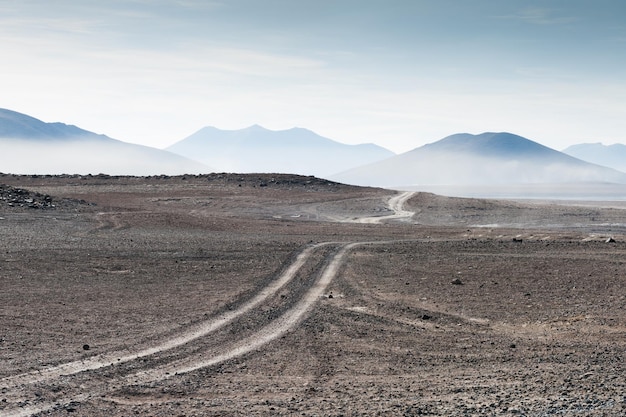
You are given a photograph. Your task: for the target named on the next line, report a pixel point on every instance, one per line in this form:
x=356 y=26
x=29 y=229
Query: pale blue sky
x=397 y=73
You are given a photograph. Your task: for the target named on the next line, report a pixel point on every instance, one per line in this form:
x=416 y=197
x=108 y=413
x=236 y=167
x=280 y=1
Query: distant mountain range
x=485 y=159
x=294 y=151
x=613 y=156
x=30 y=146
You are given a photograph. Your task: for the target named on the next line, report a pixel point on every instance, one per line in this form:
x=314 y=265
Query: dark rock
x=71 y=407
x=19 y=197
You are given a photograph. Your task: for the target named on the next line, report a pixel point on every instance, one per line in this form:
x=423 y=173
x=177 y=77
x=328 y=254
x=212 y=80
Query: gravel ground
x=472 y=307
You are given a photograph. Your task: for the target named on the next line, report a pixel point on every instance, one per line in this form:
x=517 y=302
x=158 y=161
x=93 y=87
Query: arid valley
x=259 y=294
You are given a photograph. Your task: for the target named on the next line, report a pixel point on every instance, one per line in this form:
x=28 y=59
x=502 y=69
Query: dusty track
x=263 y=336
x=255 y=341
x=15 y=384
x=396 y=204
x=273 y=331
x=201 y=330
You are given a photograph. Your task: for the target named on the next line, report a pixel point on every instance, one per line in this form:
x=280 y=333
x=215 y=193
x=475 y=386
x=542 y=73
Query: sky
x=399 y=73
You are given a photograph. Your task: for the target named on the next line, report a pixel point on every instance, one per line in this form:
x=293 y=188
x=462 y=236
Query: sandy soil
x=284 y=295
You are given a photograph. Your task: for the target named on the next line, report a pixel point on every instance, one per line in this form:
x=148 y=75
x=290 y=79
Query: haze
x=399 y=73
x=83 y=156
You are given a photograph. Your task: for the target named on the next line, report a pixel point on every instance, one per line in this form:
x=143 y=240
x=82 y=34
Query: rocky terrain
x=13 y=197
x=261 y=294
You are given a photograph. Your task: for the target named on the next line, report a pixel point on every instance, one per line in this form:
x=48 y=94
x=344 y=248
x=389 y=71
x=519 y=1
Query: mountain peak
x=257 y=149
x=613 y=156
x=21 y=126
x=256 y=128
x=486 y=159
x=489 y=144
x=30 y=146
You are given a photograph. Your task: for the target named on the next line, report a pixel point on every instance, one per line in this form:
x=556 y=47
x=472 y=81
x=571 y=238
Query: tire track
x=256 y=340
x=396 y=204
x=196 y=332
x=276 y=329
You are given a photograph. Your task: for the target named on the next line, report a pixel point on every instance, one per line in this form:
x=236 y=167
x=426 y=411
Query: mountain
x=21 y=126
x=485 y=159
x=613 y=156
x=294 y=151
x=30 y=146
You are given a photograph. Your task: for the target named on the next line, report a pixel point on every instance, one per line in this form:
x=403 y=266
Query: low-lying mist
x=591 y=192
x=85 y=156
x=448 y=169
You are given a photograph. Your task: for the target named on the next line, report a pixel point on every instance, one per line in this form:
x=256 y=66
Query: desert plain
x=258 y=294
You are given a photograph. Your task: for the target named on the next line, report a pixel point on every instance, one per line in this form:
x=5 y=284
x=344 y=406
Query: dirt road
x=14 y=386
x=395 y=204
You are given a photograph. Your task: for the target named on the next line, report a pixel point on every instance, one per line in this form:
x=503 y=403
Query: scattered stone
x=457 y=281
x=610 y=240
x=86 y=347
x=71 y=407
x=426 y=317
x=20 y=198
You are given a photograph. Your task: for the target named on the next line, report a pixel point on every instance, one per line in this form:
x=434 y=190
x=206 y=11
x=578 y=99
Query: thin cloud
x=540 y=16
x=544 y=73
x=62 y=25
x=200 y=4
